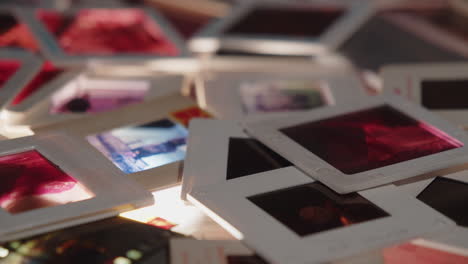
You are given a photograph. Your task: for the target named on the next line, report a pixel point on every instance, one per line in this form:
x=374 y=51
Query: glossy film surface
x=314 y=208
x=30 y=181
x=370 y=139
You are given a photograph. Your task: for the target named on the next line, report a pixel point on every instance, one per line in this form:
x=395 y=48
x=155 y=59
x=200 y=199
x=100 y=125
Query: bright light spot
x=169 y=206
x=134 y=254
x=189 y=219
x=440 y=246
x=15 y=131
x=122 y=260
x=4 y=252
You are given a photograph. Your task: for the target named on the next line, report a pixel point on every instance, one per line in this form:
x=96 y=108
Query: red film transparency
x=370 y=139
x=30 y=181
x=107 y=32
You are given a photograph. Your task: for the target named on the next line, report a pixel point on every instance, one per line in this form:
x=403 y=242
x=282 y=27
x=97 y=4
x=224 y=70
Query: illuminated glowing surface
x=4 y=252
x=30 y=181
x=122 y=260
x=107 y=31
x=370 y=139
x=189 y=219
x=139 y=148
x=161 y=223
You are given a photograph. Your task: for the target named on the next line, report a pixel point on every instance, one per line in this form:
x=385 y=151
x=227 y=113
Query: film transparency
x=262 y=89
x=44 y=182
x=441 y=88
x=65 y=40
x=77 y=94
x=146 y=141
x=366 y=144
x=316 y=223
x=282 y=28
x=219 y=151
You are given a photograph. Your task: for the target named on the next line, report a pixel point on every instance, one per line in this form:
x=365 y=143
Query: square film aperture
x=31 y=181
x=314 y=208
x=370 y=139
